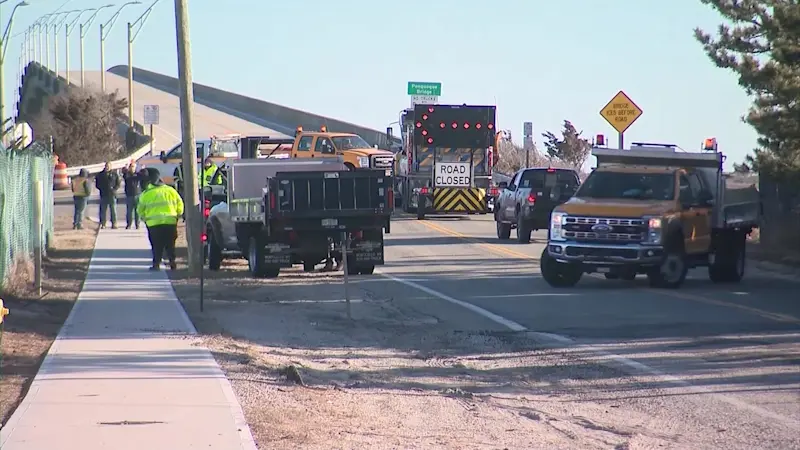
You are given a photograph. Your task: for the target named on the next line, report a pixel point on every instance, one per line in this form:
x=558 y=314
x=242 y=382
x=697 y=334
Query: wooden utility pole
x=191 y=197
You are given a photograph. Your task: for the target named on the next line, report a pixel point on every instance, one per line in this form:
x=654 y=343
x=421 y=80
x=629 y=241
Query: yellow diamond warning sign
x=621 y=112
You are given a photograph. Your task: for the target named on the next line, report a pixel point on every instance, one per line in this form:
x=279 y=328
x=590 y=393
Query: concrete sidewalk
x=125 y=371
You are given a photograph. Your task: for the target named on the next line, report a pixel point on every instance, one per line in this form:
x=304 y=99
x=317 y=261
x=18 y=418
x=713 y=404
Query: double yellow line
x=504 y=252
x=496 y=249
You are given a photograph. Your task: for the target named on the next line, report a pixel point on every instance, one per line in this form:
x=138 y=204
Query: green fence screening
x=19 y=169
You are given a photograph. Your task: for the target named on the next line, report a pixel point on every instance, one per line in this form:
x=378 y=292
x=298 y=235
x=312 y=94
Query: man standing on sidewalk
x=81 y=190
x=107 y=183
x=132 y=192
x=160 y=206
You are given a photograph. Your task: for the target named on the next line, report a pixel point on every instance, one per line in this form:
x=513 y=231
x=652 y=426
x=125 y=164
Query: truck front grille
x=382 y=162
x=605 y=229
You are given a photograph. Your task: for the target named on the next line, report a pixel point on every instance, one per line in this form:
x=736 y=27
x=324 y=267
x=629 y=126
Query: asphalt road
x=723 y=354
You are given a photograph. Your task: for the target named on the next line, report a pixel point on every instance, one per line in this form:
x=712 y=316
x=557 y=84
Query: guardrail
x=118 y=164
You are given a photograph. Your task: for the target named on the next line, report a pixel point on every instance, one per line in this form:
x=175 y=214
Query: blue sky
x=537 y=61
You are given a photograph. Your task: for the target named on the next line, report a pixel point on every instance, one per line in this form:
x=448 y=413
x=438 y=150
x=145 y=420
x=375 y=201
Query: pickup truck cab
x=356 y=152
x=526 y=201
x=219 y=148
x=655 y=212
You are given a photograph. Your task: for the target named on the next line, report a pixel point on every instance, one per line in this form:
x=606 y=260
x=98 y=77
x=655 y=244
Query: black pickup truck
x=286 y=212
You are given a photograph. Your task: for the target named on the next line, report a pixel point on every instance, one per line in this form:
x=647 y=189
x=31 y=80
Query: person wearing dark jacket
x=107 y=183
x=133 y=188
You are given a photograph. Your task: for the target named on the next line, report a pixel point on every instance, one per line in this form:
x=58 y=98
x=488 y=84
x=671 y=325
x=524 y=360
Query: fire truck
x=445 y=165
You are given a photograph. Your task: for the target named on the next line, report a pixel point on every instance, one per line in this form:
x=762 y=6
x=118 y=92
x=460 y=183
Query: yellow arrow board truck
x=445 y=165
x=652 y=210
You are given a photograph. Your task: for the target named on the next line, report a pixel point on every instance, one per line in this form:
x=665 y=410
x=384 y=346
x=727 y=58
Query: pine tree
x=762 y=46
x=571 y=148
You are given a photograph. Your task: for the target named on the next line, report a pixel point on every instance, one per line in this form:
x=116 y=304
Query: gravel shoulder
x=408 y=372
x=34 y=322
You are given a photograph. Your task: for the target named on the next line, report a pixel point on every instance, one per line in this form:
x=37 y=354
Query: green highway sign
x=424 y=88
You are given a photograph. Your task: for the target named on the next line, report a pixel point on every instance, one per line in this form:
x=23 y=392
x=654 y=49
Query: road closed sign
x=452 y=174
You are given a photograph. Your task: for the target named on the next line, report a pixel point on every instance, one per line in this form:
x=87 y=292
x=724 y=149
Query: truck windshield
x=626 y=185
x=223 y=147
x=349 y=142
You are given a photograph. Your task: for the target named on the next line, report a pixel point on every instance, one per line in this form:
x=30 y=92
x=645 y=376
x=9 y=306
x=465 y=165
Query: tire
x=523 y=231
x=256 y=260
x=673 y=269
x=367 y=270
x=308 y=267
x=611 y=276
x=352 y=269
x=349 y=166
x=628 y=276
x=559 y=275
x=730 y=259
x=421 y=209
x=503 y=229
x=214 y=252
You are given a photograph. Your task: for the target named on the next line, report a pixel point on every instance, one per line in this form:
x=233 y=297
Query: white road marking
x=635 y=366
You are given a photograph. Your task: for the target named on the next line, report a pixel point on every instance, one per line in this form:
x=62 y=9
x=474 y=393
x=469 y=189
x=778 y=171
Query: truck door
x=691 y=218
x=323 y=147
x=703 y=223
x=303 y=147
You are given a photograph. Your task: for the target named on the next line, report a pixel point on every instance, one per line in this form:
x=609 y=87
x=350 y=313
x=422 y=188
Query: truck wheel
x=421 y=208
x=350 y=166
x=503 y=229
x=523 y=231
x=671 y=273
x=214 y=252
x=559 y=275
x=256 y=258
x=308 y=266
x=729 y=261
x=366 y=270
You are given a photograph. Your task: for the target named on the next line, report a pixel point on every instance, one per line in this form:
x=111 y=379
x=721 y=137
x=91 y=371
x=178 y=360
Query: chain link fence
x=19 y=170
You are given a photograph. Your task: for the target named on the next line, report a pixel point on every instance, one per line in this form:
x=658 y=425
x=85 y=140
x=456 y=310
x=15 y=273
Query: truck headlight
x=653 y=235
x=363 y=161
x=557 y=220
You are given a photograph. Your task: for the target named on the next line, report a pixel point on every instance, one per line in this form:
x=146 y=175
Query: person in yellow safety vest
x=160 y=207
x=81 y=190
x=209 y=169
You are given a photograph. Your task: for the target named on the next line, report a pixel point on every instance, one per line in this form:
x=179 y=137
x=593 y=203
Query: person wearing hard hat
x=160 y=207
x=207 y=173
x=81 y=190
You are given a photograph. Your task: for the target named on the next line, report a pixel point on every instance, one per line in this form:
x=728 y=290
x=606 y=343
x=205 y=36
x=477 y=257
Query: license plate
x=330 y=222
x=603 y=270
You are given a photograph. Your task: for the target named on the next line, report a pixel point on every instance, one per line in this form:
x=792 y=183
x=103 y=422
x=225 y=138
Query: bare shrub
x=84 y=125
x=19 y=277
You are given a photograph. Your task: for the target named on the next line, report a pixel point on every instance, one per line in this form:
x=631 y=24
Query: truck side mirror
x=163 y=157
x=503 y=185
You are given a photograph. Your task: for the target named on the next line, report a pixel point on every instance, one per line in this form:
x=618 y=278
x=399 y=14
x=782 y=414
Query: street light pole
x=84 y=28
x=138 y=24
x=56 y=28
x=105 y=29
x=68 y=29
x=193 y=218
x=3 y=48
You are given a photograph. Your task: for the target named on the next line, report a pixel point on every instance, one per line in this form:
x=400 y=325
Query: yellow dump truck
x=652 y=210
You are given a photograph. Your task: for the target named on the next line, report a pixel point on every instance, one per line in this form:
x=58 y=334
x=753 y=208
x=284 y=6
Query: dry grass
x=35 y=321
x=19 y=278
